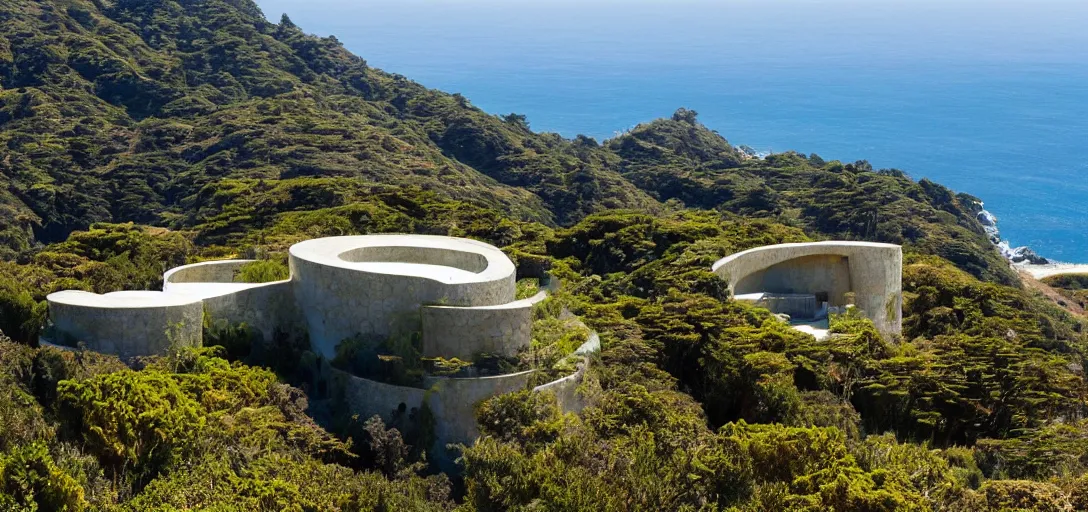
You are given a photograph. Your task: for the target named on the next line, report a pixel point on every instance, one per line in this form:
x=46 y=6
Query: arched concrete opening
x=805 y=280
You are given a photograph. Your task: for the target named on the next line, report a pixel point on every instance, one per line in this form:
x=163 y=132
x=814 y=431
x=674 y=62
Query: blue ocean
x=986 y=97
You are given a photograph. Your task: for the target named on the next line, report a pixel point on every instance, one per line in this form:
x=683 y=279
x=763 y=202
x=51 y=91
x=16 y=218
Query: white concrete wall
x=453 y=402
x=566 y=388
x=266 y=307
x=367 y=398
x=876 y=274
x=464 y=332
x=340 y=299
x=218 y=271
x=459 y=292
x=438 y=256
x=127 y=324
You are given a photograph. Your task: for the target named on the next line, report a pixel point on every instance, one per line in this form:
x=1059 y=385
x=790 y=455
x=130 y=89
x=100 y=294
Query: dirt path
x=1031 y=282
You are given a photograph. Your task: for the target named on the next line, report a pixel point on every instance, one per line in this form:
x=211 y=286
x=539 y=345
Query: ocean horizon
x=987 y=98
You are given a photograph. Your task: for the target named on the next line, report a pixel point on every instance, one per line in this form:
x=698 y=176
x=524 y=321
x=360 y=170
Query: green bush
x=34 y=481
x=524 y=417
x=138 y=421
x=263 y=271
x=1024 y=495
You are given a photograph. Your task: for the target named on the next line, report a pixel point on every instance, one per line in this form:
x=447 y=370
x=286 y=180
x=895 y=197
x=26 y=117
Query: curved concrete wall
x=442 y=257
x=875 y=273
x=368 y=398
x=127 y=324
x=459 y=292
x=453 y=402
x=464 y=332
x=828 y=273
x=219 y=271
x=265 y=307
x=340 y=299
x=566 y=388
x=340 y=287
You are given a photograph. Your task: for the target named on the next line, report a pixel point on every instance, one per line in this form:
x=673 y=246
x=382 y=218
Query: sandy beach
x=1053 y=269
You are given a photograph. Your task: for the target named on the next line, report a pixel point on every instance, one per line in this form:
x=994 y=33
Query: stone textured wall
x=368 y=398
x=464 y=332
x=127 y=324
x=340 y=299
x=876 y=273
x=453 y=402
x=566 y=390
x=265 y=307
x=460 y=293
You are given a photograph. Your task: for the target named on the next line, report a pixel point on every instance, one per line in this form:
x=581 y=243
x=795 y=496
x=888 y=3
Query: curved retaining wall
x=367 y=398
x=875 y=273
x=340 y=299
x=464 y=332
x=218 y=271
x=453 y=402
x=566 y=388
x=264 y=307
x=127 y=324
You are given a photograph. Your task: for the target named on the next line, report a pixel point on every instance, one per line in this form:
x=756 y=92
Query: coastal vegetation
x=142 y=135
x=1073 y=287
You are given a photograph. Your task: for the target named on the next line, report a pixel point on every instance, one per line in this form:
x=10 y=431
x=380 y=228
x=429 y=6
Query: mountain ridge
x=189 y=93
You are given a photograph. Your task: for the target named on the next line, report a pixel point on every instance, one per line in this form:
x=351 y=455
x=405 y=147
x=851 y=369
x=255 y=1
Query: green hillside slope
x=138 y=135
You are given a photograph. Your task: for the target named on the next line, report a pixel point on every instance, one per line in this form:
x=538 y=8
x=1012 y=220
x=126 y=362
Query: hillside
x=163 y=112
x=131 y=111
x=143 y=134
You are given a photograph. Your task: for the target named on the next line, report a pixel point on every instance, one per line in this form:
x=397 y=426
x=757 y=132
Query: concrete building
x=806 y=280
x=457 y=294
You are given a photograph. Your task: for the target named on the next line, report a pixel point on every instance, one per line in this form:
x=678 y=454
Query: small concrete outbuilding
x=807 y=280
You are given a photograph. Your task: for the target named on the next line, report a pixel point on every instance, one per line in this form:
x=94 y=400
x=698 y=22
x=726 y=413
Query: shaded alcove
x=803 y=280
x=824 y=276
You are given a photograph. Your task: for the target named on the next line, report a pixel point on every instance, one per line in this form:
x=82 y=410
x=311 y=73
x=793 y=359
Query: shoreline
x=1024 y=258
x=1017 y=256
x=1052 y=269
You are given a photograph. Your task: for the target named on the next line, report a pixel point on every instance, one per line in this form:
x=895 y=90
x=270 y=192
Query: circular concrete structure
x=374 y=286
x=832 y=272
x=457 y=294
x=129 y=324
